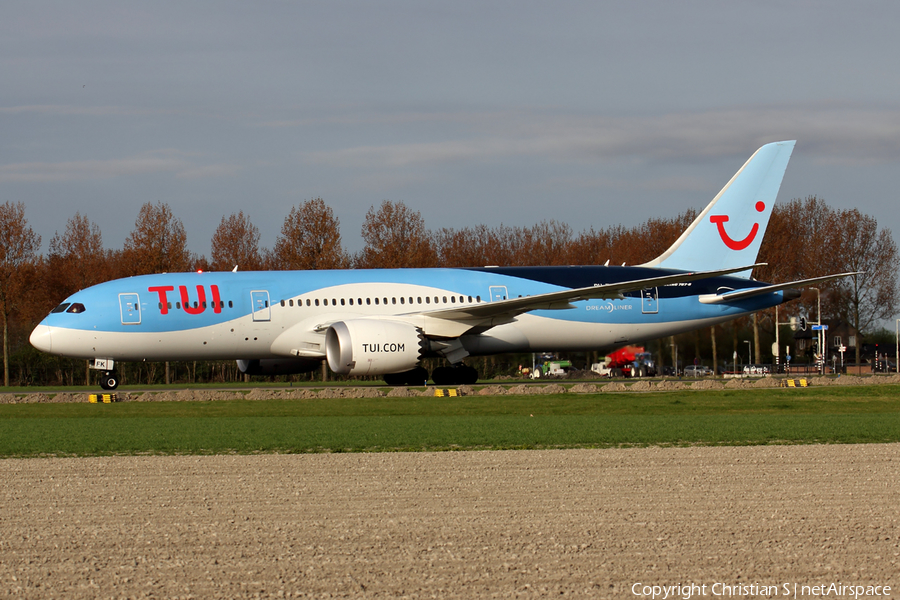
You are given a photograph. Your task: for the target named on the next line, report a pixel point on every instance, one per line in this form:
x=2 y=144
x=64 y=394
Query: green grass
x=813 y=415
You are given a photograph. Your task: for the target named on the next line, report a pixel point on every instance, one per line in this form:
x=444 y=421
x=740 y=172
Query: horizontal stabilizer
x=750 y=292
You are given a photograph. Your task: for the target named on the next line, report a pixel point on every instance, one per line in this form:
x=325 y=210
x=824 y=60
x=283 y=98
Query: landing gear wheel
x=109 y=380
x=442 y=376
x=468 y=375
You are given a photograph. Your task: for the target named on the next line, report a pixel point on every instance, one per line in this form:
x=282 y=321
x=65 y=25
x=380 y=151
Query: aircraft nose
x=40 y=338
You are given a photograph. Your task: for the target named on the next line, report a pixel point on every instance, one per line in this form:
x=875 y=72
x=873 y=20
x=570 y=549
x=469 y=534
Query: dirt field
x=574 y=523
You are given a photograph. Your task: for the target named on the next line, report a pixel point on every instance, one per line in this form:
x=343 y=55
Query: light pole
x=897 y=346
x=820 y=335
x=818 y=305
x=749 y=355
x=675 y=355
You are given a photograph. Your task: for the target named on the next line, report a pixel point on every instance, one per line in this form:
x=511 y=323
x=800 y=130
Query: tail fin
x=730 y=229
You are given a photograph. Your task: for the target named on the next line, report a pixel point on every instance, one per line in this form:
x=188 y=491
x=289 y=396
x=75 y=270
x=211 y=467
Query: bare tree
x=871 y=295
x=395 y=236
x=76 y=259
x=18 y=255
x=310 y=239
x=548 y=243
x=235 y=243
x=158 y=243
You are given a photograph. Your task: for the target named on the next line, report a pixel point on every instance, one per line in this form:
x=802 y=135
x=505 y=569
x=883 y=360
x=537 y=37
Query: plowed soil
x=573 y=523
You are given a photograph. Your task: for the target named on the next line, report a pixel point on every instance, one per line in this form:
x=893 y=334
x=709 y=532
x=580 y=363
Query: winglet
x=729 y=231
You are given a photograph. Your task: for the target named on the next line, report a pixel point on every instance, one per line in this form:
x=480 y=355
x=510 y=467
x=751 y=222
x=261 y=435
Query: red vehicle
x=630 y=361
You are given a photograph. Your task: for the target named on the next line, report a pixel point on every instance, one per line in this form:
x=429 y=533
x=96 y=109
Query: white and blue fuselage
x=384 y=321
x=262 y=315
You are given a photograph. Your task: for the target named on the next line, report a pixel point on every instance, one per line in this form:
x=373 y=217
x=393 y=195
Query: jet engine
x=370 y=347
x=278 y=366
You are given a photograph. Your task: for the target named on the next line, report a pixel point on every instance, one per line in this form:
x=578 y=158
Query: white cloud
x=843 y=134
x=67 y=110
x=85 y=170
x=208 y=171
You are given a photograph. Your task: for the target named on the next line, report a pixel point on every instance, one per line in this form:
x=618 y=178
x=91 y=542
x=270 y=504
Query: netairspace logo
x=746 y=590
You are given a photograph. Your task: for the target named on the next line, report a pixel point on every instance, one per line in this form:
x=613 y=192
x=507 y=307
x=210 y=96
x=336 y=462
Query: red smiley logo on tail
x=720 y=221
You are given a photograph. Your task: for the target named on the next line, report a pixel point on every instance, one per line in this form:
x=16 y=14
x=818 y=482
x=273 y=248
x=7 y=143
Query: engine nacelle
x=278 y=366
x=370 y=347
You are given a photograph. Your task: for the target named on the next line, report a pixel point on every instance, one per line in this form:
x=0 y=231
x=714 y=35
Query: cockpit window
x=61 y=308
x=78 y=307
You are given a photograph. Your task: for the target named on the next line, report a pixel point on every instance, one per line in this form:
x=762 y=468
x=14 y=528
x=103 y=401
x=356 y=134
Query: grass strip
x=217 y=435
x=825 y=415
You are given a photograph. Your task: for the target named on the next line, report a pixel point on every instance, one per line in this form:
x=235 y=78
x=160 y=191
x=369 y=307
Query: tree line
x=806 y=238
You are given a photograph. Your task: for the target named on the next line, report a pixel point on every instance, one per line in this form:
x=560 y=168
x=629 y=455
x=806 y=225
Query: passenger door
x=650 y=301
x=259 y=300
x=498 y=292
x=130 y=308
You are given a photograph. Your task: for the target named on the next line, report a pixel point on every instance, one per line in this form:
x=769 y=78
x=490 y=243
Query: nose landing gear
x=109 y=380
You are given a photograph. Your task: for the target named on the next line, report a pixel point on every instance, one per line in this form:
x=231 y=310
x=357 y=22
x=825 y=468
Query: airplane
x=383 y=322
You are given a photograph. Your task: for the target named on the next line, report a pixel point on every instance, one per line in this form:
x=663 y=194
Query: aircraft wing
x=750 y=292
x=563 y=299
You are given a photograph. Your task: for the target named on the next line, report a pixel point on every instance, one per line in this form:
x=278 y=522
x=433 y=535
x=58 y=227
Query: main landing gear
x=417 y=376
x=455 y=375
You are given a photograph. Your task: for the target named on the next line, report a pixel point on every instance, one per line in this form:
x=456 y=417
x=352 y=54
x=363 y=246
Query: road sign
x=820 y=327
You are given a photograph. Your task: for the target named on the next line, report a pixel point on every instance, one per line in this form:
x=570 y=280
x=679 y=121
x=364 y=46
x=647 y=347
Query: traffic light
x=802 y=323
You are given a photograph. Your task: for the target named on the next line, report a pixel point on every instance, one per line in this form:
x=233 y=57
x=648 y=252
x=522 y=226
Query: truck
x=630 y=361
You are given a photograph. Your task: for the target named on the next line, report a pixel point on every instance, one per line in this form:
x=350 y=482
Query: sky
x=590 y=113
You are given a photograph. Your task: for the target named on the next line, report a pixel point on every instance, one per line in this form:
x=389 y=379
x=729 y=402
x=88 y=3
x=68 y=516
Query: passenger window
x=230 y=304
